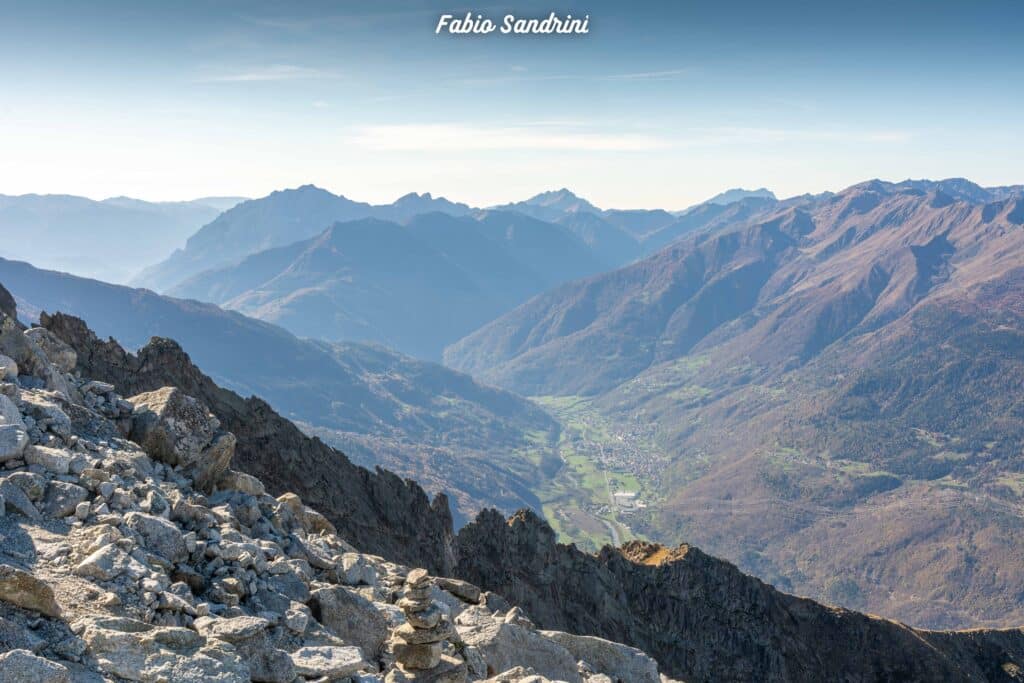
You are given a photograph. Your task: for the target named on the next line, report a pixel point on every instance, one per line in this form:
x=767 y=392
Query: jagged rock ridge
x=376 y=511
x=704 y=620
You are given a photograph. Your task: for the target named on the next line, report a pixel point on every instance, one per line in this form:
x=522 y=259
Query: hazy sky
x=662 y=104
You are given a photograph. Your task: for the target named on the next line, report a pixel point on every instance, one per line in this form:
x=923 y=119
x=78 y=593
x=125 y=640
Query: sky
x=659 y=105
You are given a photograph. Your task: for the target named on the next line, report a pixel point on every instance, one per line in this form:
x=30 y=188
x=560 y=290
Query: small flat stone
x=417 y=656
x=461 y=589
x=417 y=578
x=428 y=618
x=328 y=661
x=417 y=636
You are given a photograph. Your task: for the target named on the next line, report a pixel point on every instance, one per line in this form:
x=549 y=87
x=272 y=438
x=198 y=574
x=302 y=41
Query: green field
x=577 y=501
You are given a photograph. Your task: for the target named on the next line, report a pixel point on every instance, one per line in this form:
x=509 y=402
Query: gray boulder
x=506 y=645
x=8 y=368
x=248 y=635
x=50 y=459
x=13 y=440
x=137 y=651
x=21 y=666
x=178 y=430
x=9 y=413
x=16 y=500
x=158 y=535
x=62 y=498
x=24 y=590
x=351 y=617
x=618 y=661
x=57 y=352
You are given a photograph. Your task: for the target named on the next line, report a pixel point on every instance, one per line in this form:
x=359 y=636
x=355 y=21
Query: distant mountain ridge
x=80 y=234
x=288 y=216
x=281 y=218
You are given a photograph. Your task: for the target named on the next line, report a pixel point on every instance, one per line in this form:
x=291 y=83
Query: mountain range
x=415 y=275
x=823 y=389
x=81 y=234
x=828 y=387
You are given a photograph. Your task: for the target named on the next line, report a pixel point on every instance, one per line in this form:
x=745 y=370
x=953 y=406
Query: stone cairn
x=418 y=644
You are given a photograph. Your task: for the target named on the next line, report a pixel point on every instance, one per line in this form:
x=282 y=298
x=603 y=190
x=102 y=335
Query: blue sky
x=662 y=104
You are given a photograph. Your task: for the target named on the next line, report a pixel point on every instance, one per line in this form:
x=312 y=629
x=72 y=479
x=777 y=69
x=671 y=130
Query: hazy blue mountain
x=704 y=217
x=280 y=218
x=638 y=222
x=611 y=244
x=415 y=417
x=414 y=287
x=110 y=239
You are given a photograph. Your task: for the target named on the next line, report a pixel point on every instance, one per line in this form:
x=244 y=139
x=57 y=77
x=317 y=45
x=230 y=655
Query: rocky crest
x=376 y=511
x=130 y=550
x=704 y=620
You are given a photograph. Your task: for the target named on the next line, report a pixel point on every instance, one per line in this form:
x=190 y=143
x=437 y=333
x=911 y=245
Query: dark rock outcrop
x=704 y=620
x=7 y=305
x=377 y=512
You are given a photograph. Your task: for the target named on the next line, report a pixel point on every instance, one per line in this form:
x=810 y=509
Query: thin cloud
x=462 y=138
x=668 y=75
x=274 y=72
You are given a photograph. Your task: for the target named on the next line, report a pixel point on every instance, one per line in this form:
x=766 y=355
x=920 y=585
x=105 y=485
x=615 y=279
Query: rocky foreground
x=130 y=550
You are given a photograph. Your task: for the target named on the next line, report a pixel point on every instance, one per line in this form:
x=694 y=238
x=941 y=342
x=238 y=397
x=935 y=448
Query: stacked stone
x=418 y=644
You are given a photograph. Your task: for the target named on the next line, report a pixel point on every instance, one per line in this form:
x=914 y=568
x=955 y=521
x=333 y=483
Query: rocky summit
x=131 y=550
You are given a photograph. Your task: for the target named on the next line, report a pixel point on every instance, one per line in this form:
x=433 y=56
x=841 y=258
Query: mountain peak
x=737 y=193
x=562 y=200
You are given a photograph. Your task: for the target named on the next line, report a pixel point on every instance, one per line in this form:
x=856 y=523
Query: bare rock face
x=351 y=617
x=614 y=659
x=7 y=304
x=180 y=431
x=704 y=620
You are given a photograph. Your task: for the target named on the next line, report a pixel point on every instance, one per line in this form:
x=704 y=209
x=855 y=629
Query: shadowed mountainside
x=414 y=287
